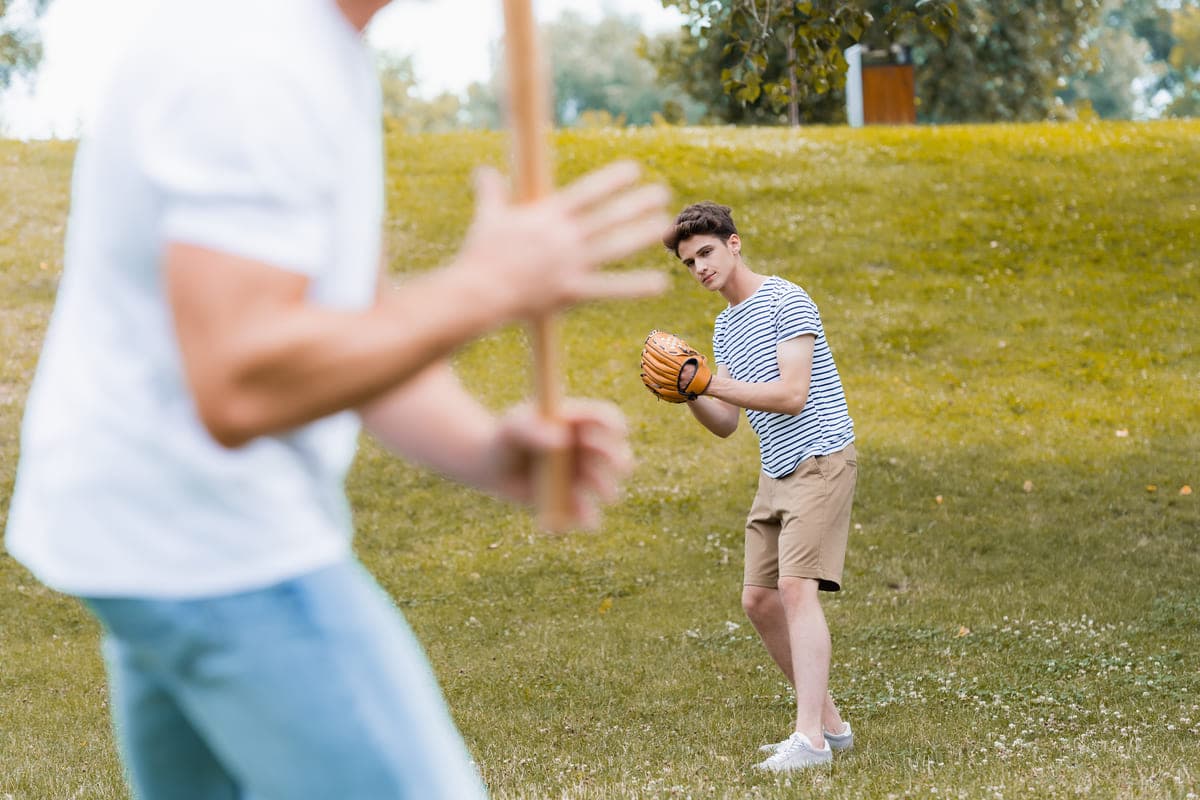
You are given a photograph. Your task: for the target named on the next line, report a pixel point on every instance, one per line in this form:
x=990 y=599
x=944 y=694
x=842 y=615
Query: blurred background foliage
x=769 y=62
x=975 y=61
x=20 y=47
x=994 y=60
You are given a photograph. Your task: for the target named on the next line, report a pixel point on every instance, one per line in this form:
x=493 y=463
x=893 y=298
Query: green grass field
x=1015 y=311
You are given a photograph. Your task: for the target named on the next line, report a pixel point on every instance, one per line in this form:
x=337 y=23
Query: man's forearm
x=456 y=435
x=303 y=362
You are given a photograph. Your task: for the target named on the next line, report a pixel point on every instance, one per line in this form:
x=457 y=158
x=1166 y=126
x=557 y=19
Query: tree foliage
x=402 y=105
x=1007 y=60
x=791 y=51
x=1138 y=63
x=1184 y=59
x=409 y=111
x=20 y=45
x=999 y=59
x=598 y=78
x=695 y=64
x=1108 y=87
x=598 y=67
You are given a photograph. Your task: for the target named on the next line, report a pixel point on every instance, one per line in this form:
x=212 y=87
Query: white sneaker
x=840 y=741
x=773 y=746
x=796 y=753
x=836 y=741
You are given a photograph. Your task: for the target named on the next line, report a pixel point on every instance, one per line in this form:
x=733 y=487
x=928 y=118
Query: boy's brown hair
x=699 y=219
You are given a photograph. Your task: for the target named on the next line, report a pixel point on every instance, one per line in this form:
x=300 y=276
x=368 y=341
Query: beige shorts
x=799 y=524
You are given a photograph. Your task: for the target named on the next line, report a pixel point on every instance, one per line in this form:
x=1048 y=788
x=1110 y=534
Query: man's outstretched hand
x=538 y=258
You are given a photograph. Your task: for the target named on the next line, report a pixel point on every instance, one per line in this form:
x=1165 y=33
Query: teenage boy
x=222 y=331
x=773 y=361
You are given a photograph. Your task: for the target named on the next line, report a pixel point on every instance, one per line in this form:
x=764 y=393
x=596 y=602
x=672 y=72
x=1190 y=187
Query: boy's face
x=710 y=260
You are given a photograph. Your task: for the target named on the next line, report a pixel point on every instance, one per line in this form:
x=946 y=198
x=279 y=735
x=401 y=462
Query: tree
x=1169 y=28
x=1112 y=82
x=20 y=46
x=1007 y=60
x=482 y=107
x=406 y=109
x=600 y=68
x=1139 y=64
x=1185 y=60
x=998 y=60
x=791 y=51
x=694 y=65
x=1108 y=87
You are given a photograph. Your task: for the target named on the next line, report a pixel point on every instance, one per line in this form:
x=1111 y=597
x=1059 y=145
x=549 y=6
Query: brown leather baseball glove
x=672 y=370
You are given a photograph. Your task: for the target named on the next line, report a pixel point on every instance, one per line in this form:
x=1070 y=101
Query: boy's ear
x=734 y=243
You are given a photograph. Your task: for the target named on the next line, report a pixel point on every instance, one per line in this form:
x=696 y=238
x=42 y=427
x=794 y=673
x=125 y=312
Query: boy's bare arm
x=718 y=416
x=784 y=396
x=261 y=359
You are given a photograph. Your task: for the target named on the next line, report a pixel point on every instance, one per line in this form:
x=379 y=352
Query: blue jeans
x=313 y=688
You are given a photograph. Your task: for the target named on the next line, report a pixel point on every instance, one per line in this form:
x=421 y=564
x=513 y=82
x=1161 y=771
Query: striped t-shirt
x=745 y=338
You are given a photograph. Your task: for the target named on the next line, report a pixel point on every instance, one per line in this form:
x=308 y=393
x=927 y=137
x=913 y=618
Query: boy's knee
x=759 y=601
x=798 y=591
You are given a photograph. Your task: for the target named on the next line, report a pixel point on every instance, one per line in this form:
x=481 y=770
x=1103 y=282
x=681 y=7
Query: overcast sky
x=448 y=39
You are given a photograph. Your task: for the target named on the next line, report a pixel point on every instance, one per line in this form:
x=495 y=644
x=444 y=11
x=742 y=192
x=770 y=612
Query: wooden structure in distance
x=888 y=94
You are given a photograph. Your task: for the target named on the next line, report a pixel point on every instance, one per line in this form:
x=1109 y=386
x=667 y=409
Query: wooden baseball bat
x=529 y=114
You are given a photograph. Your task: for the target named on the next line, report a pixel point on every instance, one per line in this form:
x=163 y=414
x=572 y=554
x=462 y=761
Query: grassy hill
x=1014 y=310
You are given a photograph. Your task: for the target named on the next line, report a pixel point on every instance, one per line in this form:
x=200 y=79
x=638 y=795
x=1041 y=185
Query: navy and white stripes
x=745 y=338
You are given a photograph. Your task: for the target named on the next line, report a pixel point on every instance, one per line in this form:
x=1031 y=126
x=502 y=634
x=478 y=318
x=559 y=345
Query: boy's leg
x=808 y=639
x=760 y=594
x=765 y=610
x=313 y=689
x=815 y=504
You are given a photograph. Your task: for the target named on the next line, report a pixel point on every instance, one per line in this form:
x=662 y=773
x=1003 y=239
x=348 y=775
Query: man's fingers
x=600 y=433
x=599 y=468
x=525 y=429
x=634 y=206
x=491 y=191
x=600 y=413
x=601 y=184
x=585 y=512
x=620 y=285
x=600 y=483
x=626 y=240
x=605 y=443
x=601 y=456
x=603 y=448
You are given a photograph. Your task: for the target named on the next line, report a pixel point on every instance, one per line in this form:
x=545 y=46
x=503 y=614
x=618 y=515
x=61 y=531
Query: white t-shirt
x=250 y=127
